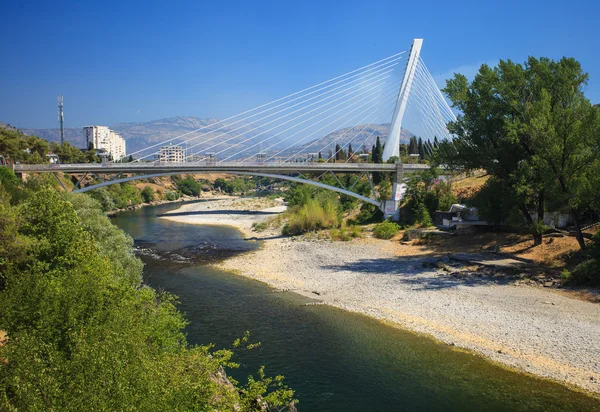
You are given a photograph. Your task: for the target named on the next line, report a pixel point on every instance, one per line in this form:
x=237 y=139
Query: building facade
x=102 y=138
x=171 y=154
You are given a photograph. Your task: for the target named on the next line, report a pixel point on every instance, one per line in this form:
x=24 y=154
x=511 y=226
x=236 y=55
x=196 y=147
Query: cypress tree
x=412 y=145
x=379 y=150
x=421 y=149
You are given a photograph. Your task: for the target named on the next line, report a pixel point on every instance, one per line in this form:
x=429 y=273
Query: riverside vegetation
x=82 y=330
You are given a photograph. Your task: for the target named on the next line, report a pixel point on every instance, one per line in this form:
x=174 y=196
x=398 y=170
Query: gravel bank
x=533 y=329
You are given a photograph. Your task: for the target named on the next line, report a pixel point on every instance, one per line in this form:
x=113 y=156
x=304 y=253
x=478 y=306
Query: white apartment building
x=171 y=154
x=102 y=138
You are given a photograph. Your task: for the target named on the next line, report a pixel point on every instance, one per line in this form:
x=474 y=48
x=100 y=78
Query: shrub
x=259 y=226
x=422 y=215
x=344 y=233
x=188 y=186
x=588 y=271
x=310 y=217
x=103 y=197
x=171 y=196
x=386 y=230
x=148 y=194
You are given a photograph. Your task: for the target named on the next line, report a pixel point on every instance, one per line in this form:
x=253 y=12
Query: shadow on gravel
x=254 y=238
x=432 y=273
x=221 y=212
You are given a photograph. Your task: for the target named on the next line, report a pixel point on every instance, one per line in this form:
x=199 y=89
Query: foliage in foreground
x=588 y=271
x=84 y=333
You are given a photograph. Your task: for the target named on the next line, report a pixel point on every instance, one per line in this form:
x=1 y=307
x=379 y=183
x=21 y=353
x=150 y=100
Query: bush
x=171 y=196
x=310 y=217
x=148 y=194
x=259 y=226
x=188 y=186
x=368 y=214
x=422 y=215
x=104 y=198
x=345 y=233
x=386 y=230
x=587 y=272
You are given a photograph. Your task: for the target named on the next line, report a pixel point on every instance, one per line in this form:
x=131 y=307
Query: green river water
x=335 y=360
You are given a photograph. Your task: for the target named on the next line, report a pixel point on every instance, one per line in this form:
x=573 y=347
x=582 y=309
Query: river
x=335 y=360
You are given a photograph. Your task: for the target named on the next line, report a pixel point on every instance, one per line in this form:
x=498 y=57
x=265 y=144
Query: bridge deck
x=232 y=167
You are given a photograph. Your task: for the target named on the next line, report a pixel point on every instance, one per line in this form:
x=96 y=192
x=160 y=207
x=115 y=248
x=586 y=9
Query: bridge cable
x=387 y=60
x=311 y=134
x=295 y=118
x=280 y=111
x=392 y=90
x=298 y=117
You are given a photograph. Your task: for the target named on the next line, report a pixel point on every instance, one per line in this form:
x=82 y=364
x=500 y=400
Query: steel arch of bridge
x=269 y=175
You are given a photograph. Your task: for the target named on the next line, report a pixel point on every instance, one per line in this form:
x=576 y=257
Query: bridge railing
x=216 y=165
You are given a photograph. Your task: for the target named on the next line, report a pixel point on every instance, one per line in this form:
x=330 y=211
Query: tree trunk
x=578 y=234
x=537 y=237
x=541 y=202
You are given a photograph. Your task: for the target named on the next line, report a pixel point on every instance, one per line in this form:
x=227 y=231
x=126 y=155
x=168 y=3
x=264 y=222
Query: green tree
x=148 y=194
x=490 y=135
x=413 y=147
x=564 y=131
x=421 y=149
x=377 y=158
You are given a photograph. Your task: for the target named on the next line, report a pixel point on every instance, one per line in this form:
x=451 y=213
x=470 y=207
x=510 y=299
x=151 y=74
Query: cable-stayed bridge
x=323 y=129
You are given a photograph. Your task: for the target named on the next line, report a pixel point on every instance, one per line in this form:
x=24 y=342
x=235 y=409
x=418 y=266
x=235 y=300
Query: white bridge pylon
x=392 y=146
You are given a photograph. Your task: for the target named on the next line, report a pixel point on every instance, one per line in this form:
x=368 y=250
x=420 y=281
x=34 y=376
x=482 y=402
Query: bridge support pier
x=390 y=208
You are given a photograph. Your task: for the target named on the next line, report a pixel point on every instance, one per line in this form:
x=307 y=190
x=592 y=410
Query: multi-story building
x=102 y=138
x=171 y=154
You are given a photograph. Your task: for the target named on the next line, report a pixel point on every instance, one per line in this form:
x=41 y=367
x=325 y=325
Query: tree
x=564 y=132
x=421 y=149
x=350 y=151
x=337 y=152
x=413 y=147
x=189 y=186
x=377 y=158
x=490 y=135
x=148 y=194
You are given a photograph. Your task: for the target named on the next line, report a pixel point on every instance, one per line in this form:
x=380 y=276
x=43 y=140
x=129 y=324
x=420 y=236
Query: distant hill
x=212 y=131
x=7 y=127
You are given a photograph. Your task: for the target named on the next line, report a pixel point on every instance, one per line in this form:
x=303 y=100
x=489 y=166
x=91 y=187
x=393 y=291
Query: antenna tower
x=61 y=119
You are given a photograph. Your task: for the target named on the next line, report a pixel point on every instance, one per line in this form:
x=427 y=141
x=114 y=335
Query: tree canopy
x=532 y=129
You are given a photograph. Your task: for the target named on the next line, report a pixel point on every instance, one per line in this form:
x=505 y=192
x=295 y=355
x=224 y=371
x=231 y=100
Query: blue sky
x=123 y=61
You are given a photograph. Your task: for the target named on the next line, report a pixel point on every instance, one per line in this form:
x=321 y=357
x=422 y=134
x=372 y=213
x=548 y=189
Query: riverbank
x=240 y=213
x=532 y=329
x=210 y=196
